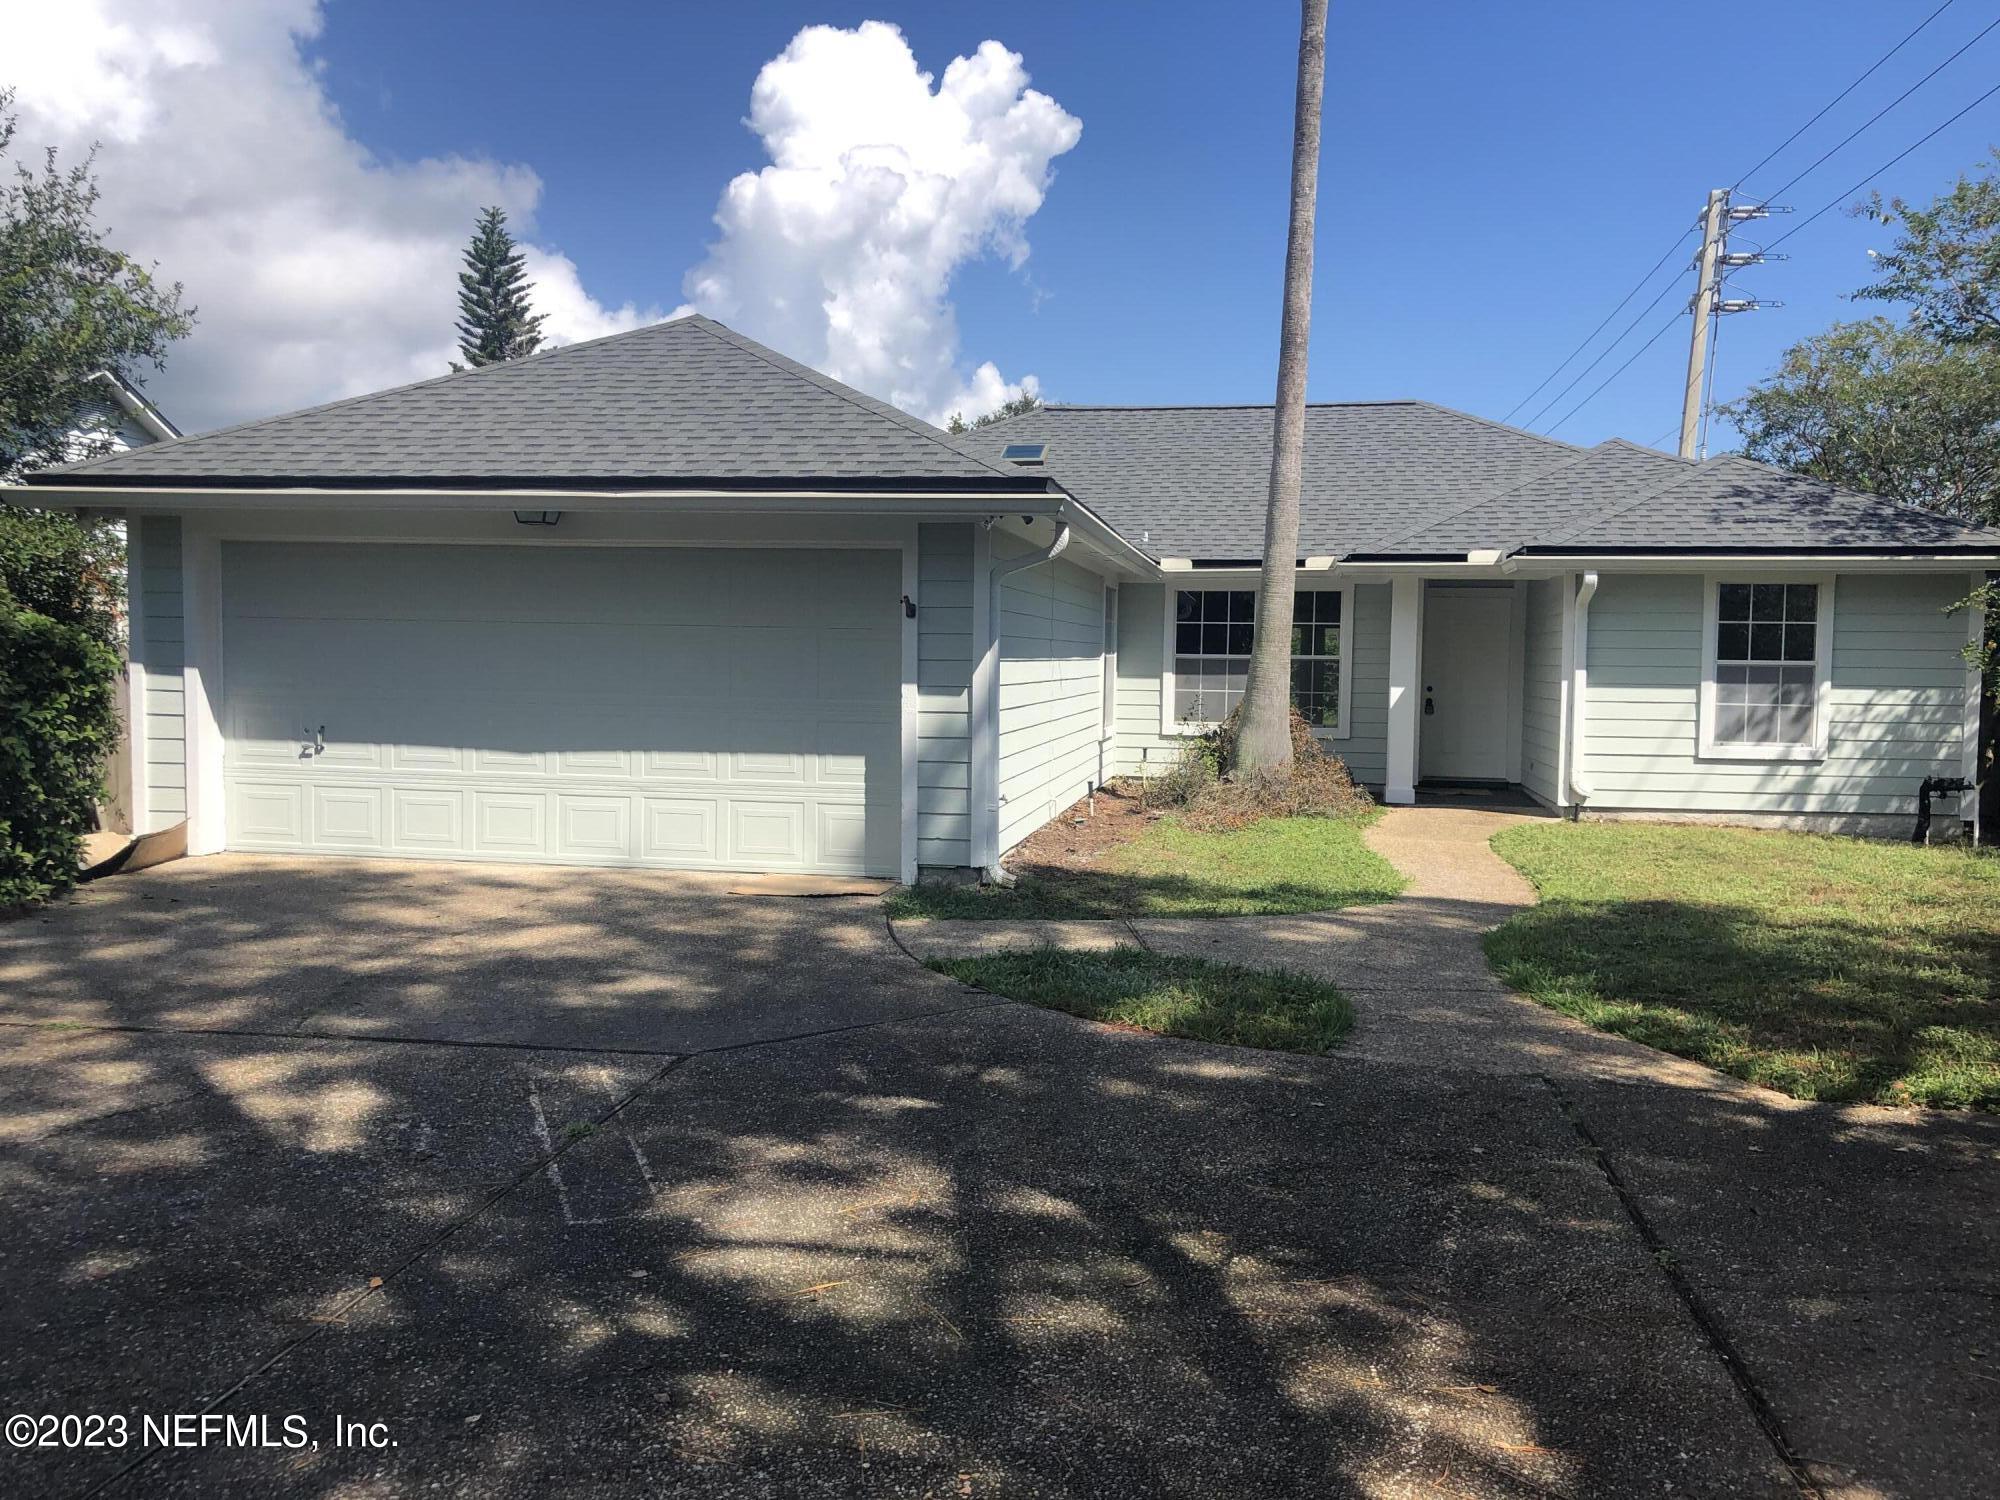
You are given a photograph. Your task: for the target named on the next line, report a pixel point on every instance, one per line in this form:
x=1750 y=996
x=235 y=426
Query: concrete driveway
x=567 y=1183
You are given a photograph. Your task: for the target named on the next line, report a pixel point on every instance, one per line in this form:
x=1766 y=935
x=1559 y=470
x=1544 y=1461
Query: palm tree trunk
x=1264 y=740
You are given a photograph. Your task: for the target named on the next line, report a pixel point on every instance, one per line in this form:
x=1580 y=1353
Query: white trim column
x=201 y=584
x=982 y=739
x=1975 y=633
x=908 y=611
x=1406 y=658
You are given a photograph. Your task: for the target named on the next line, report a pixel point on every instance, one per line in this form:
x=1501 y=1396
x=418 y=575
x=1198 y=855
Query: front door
x=1464 y=733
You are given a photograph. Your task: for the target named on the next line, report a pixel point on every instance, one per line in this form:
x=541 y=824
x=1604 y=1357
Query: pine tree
x=494 y=321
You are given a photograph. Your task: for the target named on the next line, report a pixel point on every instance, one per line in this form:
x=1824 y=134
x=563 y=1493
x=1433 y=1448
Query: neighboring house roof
x=116 y=417
x=1192 y=481
x=132 y=401
x=1406 y=480
x=685 y=404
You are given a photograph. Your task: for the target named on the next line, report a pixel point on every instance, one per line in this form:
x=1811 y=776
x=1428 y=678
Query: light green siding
x=1051 y=628
x=1898 y=702
x=160 y=649
x=1144 y=750
x=944 y=694
x=1541 y=690
x=1366 y=644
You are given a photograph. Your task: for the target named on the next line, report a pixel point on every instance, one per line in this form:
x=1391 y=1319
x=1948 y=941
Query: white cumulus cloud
x=322 y=270
x=319 y=269
x=841 y=252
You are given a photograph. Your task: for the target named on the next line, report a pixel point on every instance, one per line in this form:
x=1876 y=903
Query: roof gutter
x=857 y=501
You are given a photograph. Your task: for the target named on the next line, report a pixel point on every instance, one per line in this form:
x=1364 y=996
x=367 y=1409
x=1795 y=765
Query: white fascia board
x=138 y=408
x=941 y=504
x=1817 y=562
x=1532 y=566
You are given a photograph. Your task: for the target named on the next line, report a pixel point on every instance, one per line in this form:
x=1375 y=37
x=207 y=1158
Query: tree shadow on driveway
x=945 y=1247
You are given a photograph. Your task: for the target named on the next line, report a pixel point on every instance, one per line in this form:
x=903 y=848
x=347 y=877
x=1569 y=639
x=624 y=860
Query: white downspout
x=986 y=724
x=1579 y=785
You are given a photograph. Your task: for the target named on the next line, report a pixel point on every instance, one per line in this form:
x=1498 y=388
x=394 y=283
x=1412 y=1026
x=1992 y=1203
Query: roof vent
x=1027 y=455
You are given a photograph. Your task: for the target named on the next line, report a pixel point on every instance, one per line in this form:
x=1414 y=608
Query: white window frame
x=1709 y=749
x=1177 y=584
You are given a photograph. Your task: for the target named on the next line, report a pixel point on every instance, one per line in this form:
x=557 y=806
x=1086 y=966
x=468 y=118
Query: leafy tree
x=1022 y=404
x=1887 y=410
x=1910 y=411
x=1946 y=266
x=70 y=306
x=495 y=322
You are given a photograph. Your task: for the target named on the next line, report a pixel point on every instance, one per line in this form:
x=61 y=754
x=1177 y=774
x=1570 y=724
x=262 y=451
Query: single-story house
x=671 y=599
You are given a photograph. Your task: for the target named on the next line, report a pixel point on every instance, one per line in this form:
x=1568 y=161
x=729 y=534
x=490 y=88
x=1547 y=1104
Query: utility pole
x=1714 y=230
x=1708 y=303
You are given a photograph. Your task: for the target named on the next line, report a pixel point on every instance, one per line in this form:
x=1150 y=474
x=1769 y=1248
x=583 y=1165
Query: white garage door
x=730 y=709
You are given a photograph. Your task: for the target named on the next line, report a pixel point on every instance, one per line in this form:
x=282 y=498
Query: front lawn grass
x=1828 y=968
x=1277 y=866
x=1275 y=1009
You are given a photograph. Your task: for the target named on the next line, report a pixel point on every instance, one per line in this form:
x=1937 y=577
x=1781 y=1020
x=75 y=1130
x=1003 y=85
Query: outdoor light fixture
x=538 y=517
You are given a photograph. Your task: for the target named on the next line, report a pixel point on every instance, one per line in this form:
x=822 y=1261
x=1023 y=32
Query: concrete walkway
x=1415 y=966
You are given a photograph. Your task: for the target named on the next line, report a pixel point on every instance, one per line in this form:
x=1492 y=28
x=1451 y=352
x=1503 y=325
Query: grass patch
x=1275 y=1009
x=1277 y=866
x=1828 y=968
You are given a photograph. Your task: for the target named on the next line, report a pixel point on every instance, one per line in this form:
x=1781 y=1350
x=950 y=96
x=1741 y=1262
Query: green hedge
x=58 y=718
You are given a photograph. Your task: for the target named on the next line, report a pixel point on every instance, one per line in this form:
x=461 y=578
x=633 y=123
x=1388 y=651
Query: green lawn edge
x=1196 y=999
x=1276 y=867
x=1832 y=969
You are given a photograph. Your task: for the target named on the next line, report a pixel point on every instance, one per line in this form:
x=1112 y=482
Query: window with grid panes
x=1213 y=629
x=1766 y=663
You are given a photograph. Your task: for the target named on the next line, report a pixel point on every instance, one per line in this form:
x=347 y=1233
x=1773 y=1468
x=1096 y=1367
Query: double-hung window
x=1767 y=653
x=1210 y=633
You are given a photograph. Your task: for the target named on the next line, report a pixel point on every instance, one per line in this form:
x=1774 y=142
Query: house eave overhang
x=633 y=487
x=1950 y=557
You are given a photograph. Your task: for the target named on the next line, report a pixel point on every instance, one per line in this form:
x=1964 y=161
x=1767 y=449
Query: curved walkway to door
x=1415 y=967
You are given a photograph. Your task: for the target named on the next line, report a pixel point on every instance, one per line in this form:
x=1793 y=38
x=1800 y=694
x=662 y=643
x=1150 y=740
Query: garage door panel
x=858 y=666
x=371 y=582
x=264 y=815
x=349 y=817
x=768 y=833
x=532 y=723
x=679 y=830
x=509 y=822
x=425 y=821
x=589 y=826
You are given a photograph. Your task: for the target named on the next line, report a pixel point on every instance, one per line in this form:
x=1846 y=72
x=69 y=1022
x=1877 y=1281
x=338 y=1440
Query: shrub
x=57 y=719
x=65 y=568
x=1316 y=784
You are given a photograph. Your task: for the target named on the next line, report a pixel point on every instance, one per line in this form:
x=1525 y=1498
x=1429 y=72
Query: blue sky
x=1494 y=177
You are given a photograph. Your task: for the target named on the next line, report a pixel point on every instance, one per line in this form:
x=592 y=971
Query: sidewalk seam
x=1707 y=1322
x=381 y=1283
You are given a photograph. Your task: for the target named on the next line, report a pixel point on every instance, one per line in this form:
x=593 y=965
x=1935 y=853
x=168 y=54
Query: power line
x=1658 y=334
x=1907 y=39
x=1585 y=342
x=1839 y=198
x=1577 y=379
x=1845 y=140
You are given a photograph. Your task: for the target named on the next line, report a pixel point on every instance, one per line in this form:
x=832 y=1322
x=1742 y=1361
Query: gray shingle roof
x=1191 y=481
x=1730 y=503
x=1544 y=504
x=678 y=403
x=1406 y=479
